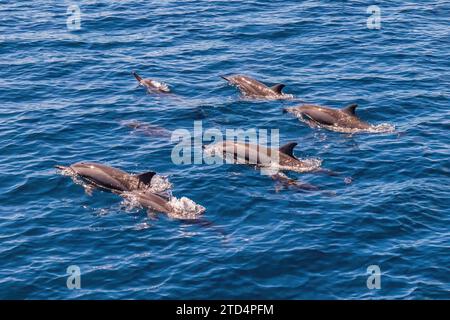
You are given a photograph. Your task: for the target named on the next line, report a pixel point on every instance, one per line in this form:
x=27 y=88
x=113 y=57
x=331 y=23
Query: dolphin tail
x=138 y=78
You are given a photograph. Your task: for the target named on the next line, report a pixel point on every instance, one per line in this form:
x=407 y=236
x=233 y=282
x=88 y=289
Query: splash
x=284 y=181
x=65 y=171
x=68 y=172
x=378 y=128
x=160 y=86
x=130 y=202
x=146 y=128
x=159 y=184
x=284 y=96
x=185 y=208
x=307 y=165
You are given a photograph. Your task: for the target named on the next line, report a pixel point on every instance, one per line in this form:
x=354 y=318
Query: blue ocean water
x=65 y=95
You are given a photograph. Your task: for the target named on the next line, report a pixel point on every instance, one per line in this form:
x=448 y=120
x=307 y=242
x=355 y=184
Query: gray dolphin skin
x=121 y=182
x=110 y=178
x=246 y=153
x=343 y=118
x=152 y=85
x=254 y=89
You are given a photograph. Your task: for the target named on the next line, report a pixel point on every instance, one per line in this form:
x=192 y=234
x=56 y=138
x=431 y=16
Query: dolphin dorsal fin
x=146 y=177
x=277 y=88
x=288 y=149
x=350 y=109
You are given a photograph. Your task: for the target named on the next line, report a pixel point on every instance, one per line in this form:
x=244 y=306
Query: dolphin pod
x=139 y=186
x=314 y=115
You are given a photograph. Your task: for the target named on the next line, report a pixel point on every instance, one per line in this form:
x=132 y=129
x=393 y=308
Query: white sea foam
x=309 y=164
x=159 y=184
x=378 y=128
x=185 y=208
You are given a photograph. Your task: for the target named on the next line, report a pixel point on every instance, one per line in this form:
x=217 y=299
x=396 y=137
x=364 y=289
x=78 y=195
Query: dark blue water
x=65 y=94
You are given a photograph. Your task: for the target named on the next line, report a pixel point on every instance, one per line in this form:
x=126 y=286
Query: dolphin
x=330 y=118
x=122 y=183
x=152 y=201
x=279 y=159
x=254 y=89
x=110 y=178
x=152 y=85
